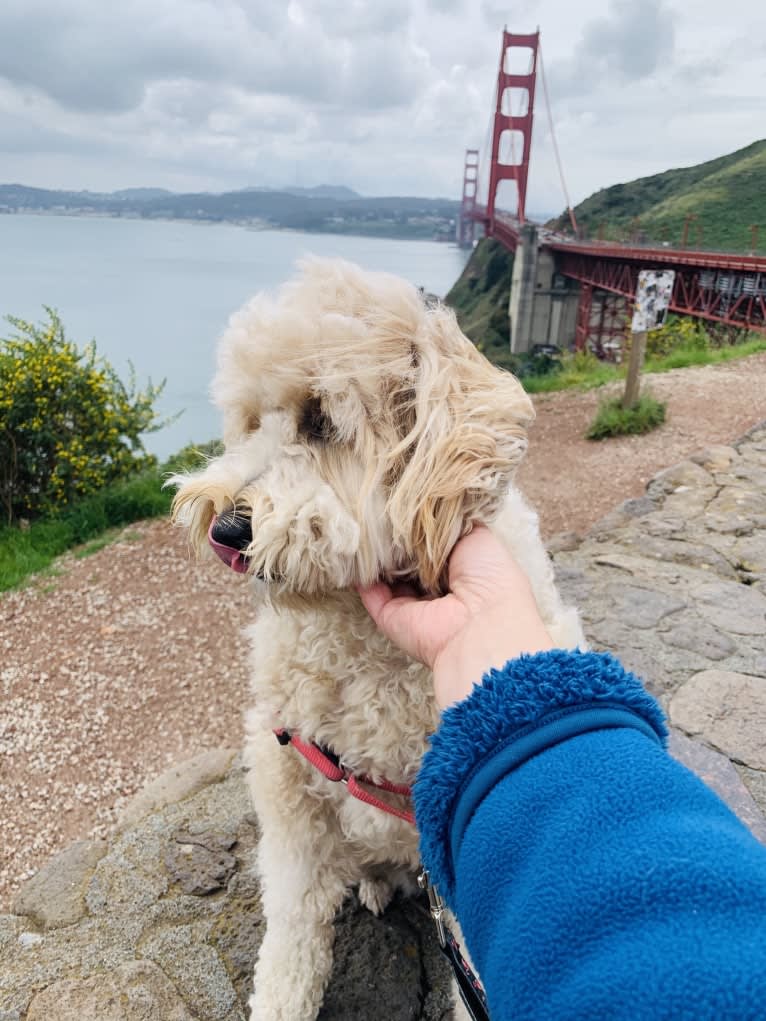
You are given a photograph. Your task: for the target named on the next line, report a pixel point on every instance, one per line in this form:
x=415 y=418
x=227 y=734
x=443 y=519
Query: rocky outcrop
x=161 y=922
x=674 y=583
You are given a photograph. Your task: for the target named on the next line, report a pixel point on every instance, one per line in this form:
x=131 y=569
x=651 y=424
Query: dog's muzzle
x=229 y=535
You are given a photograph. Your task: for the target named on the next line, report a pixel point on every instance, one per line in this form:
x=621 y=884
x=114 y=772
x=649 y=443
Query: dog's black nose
x=232 y=530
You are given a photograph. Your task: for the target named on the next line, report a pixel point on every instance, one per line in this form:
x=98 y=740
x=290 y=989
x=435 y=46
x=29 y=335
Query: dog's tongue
x=231 y=556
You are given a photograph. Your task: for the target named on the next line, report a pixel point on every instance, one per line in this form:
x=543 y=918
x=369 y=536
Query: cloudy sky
x=380 y=95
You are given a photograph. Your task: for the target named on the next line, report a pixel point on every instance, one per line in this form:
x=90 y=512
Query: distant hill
x=140 y=193
x=726 y=195
x=326 y=191
x=326 y=209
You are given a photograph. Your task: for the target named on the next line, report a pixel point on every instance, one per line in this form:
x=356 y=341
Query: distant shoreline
x=254 y=224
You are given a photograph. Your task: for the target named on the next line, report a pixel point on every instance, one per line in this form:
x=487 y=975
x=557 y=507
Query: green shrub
x=192 y=457
x=614 y=420
x=678 y=332
x=68 y=424
x=33 y=548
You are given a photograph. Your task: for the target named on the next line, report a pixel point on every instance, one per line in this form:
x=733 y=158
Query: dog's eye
x=313 y=421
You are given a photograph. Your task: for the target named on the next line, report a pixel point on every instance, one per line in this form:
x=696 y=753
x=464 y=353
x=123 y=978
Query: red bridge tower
x=515 y=171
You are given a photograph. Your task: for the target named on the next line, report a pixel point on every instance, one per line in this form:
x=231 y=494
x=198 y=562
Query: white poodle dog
x=364 y=434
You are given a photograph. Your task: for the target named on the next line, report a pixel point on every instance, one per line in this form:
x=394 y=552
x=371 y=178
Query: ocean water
x=158 y=294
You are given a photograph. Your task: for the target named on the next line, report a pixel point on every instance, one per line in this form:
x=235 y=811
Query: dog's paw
x=376 y=894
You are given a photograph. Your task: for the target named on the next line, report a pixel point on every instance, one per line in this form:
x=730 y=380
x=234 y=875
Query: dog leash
x=471 y=992
x=330 y=766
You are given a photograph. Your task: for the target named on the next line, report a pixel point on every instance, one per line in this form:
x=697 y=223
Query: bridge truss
x=719 y=287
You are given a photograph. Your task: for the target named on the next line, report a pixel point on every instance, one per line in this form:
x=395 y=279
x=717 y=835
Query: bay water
x=157 y=294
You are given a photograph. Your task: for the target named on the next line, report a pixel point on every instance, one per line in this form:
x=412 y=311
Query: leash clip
x=469 y=987
x=435 y=904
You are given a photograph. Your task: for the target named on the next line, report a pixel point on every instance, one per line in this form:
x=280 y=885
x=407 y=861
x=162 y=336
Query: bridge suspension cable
x=570 y=210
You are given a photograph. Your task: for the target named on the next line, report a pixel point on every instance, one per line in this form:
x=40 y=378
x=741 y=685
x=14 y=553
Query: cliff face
x=480 y=300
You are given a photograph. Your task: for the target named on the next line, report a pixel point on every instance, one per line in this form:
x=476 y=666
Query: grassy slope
x=480 y=299
x=727 y=195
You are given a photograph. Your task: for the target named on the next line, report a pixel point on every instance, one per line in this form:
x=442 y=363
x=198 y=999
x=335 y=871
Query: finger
x=374 y=598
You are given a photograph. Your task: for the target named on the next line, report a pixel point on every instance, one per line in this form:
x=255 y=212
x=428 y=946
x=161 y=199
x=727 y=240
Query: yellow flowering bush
x=68 y=424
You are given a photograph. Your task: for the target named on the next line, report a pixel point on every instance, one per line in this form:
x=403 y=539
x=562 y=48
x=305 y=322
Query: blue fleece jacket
x=594 y=877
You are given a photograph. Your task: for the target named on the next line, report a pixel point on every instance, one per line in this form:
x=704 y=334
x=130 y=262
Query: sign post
x=655 y=288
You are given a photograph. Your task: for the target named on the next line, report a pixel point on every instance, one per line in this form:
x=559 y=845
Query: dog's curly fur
x=363 y=435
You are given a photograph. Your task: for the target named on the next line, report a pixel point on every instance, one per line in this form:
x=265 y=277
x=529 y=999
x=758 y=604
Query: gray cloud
x=628 y=44
x=383 y=95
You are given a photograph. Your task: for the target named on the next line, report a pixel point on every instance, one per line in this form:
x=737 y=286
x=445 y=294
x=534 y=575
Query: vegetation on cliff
x=480 y=300
x=724 y=196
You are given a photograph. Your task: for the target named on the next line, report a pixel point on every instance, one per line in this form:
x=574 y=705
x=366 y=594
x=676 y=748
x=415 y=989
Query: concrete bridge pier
x=543 y=303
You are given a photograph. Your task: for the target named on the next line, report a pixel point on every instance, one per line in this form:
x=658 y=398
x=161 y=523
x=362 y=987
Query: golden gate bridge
x=569 y=289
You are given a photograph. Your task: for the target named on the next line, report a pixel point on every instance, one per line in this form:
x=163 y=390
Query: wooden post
x=633 y=382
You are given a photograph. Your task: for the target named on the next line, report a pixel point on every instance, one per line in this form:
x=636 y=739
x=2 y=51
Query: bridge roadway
x=722 y=287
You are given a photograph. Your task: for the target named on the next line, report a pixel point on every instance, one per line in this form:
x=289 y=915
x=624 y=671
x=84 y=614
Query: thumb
x=393 y=615
x=374 y=599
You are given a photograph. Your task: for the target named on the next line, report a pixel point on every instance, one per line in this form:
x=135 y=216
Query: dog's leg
x=301 y=896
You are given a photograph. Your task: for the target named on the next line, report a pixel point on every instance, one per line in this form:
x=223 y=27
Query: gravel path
x=130 y=659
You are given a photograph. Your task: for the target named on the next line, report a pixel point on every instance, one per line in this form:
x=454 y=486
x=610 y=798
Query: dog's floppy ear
x=455 y=464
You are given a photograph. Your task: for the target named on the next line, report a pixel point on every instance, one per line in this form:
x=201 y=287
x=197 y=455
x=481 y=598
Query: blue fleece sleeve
x=593 y=876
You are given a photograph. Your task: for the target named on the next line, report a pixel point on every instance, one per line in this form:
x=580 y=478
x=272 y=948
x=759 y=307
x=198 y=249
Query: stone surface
x=716 y=458
x=56 y=895
x=702 y=638
x=178 y=783
x=727 y=710
x=163 y=922
x=641 y=607
x=738 y=609
x=563 y=541
x=136 y=991
x=718 y=773
x=201 y=863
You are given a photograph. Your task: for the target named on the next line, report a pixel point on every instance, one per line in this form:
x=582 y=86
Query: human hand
x=488 y=617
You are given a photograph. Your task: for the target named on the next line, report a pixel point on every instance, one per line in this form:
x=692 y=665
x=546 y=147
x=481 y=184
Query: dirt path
x=131 y=659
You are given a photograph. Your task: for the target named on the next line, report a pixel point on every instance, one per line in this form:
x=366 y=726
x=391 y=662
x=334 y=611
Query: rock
x=739 y=609
x=701 y=638
x=120 y=885
x=665 y=525
x=684 y=475
x=722 y=777
x=378 y=974
x=680 y=551
x=638 y=507
x=238 y=931
x=727 y=710
x=755 y=781
x=178 y=783
x=750 y=553
x=192 y=963
x=716 y=458
x=641 y=607
x=201 y=863
x=56 y=895
x=136 y=991
x=610 y=523
x=737 y=501
x=562 y=542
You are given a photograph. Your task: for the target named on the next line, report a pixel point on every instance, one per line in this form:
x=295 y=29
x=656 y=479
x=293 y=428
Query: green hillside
x=726 y=195
x=480 y=299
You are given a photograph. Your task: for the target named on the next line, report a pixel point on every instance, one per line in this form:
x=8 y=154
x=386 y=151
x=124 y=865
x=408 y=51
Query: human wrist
x=488 y=641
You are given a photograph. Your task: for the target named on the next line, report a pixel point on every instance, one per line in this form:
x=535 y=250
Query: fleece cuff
x=532 y=703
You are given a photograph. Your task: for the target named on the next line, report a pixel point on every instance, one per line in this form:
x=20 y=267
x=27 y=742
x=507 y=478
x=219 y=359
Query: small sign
x=655 y=289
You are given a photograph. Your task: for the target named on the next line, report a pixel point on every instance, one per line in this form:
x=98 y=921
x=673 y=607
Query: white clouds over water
x=382 y=95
